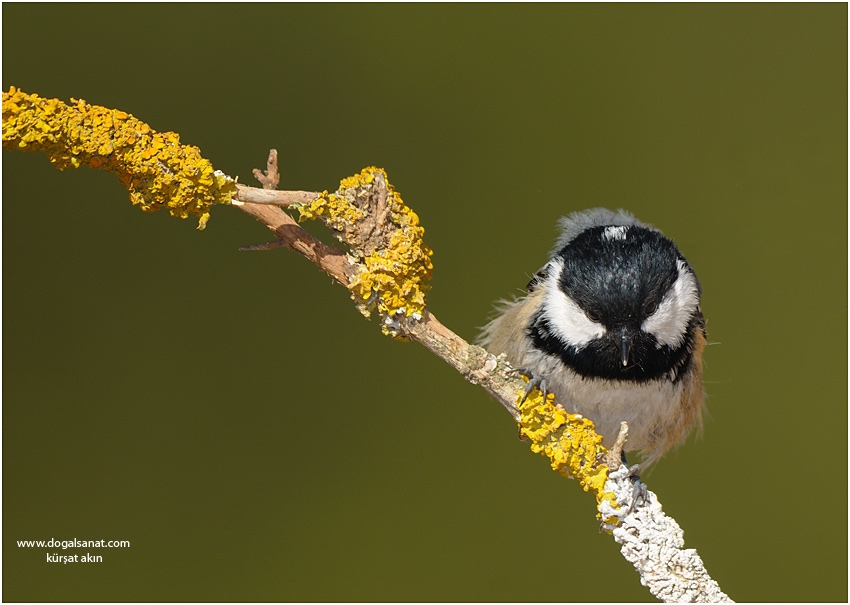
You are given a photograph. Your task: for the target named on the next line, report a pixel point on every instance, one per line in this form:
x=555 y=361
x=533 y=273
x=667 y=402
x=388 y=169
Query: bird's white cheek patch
x=566 y=319
x=669 y=323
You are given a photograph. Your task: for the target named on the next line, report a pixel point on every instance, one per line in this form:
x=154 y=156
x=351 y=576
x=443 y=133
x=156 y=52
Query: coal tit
x=612 y=326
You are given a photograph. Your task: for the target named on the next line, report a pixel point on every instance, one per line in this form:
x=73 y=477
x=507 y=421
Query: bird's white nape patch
x=566 y=319
x=669 y=323
x=614 y=232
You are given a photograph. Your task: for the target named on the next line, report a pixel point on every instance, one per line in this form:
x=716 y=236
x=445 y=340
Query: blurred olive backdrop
x=254 y=438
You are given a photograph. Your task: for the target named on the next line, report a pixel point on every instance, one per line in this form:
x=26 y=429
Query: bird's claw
x=534 y=382
x=640 y=494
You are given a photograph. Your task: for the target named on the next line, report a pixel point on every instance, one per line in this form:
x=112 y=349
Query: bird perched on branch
x=612 y=326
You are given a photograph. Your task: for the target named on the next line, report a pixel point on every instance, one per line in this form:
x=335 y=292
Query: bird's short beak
x=625 y=346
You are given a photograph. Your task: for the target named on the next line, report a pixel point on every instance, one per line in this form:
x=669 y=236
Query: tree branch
x=289 y=233
x=649 y=539
x=274 y=198
x=386 y=271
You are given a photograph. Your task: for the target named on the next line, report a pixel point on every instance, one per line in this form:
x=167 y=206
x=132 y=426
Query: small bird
x=612 y=326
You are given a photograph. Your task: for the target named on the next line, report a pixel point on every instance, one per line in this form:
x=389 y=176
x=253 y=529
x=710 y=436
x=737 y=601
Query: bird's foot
x=640 y=494
x=534 y=382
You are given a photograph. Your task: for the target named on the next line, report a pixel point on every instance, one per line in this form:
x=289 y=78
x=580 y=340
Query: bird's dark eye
x=649 y=308
x=592 y=316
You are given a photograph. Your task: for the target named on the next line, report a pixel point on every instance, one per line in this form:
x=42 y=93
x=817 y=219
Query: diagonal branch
x=330 y=259
x=386 y=269
x=649 y=539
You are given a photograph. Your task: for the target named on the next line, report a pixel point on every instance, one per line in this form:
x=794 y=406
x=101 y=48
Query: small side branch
x=284 y=199
x=289 y=233
x=271 y=177
x=268 y=195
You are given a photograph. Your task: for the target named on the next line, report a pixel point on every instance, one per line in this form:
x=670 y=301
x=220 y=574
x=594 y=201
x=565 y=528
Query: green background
x=234 y=417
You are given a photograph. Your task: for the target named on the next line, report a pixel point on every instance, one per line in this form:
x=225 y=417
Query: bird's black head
x=621 y=303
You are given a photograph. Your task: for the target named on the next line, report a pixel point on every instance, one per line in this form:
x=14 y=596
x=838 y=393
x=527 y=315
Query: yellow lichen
x=156 y=169
x=395 y=264
x=330 y=207
x=569 y=441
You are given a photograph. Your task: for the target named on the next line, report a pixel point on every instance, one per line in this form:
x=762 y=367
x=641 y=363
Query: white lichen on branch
x=654 y=544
